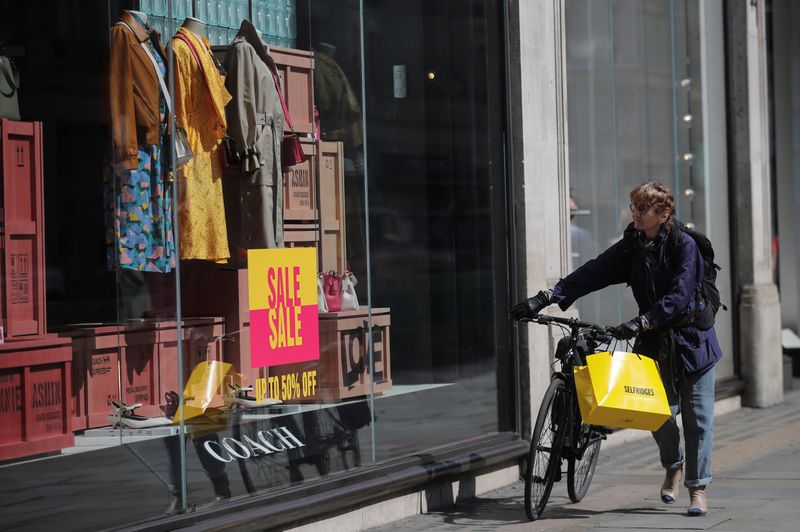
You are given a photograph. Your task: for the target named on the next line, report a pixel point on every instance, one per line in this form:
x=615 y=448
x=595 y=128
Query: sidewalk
x=756 y=486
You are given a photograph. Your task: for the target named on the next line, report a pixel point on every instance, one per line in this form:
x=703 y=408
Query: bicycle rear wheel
x=580 y=468
x=544 y=460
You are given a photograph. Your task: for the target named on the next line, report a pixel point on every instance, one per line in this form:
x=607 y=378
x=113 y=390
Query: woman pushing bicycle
x=665 y=270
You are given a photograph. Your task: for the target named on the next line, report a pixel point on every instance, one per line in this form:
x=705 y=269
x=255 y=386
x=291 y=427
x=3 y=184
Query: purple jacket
x=667 y=294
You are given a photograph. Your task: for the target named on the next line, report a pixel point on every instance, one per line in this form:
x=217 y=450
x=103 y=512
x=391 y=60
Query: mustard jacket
x=133 y=92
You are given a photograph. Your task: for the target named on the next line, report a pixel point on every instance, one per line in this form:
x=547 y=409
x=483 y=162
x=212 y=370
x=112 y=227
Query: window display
x=189 y=141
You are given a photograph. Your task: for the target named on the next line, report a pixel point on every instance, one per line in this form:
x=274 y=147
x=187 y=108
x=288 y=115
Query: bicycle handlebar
x=573 y=323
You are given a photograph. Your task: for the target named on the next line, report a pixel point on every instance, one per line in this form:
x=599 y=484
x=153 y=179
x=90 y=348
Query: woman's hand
x=629 y=329
x=531 y=307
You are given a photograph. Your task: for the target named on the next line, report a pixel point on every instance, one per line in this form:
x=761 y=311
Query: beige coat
x=254 y=188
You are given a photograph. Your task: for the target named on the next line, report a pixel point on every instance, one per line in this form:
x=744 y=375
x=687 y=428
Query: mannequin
x=195 y=25
x=142 y=16
x=138 y=193
x=254 y=188
x=200 y=99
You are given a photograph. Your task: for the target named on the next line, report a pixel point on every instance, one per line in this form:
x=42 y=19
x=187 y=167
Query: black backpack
x=708 y=287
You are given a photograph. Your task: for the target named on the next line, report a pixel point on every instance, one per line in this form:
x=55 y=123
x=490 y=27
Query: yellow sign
x=284 y=324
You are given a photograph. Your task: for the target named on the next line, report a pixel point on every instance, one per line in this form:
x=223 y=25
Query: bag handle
x=283 y=103
x=194 y=52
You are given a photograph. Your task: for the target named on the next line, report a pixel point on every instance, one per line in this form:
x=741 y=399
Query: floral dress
x=139 y=210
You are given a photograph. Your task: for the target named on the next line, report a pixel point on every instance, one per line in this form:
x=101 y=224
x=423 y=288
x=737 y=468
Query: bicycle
x=559 y=433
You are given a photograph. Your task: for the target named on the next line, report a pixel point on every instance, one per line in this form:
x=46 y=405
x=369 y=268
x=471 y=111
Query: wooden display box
x=342 y=372
x=22 y=285
x=202 y=341
x=296 y=72
x=330 y=169
x=34 y=401
x=300 y=187
x=215 y=291
x=142 y=356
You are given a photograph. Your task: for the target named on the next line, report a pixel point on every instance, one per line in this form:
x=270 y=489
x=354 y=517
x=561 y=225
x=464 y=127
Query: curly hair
x=656 y=195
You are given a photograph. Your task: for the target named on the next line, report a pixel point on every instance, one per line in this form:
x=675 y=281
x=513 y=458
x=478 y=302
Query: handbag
x=322 y=303
x=183 y=151
x=291 y=149
x=349 y=297
x=9 y=89
x=621 y=390
x=230 y=154
x=332 y=288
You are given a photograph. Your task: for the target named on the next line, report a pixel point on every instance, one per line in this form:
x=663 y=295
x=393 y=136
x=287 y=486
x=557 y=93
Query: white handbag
x=349 y=297
x=322 y=303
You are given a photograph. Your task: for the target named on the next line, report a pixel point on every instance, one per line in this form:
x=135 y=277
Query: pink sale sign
x=284 y=324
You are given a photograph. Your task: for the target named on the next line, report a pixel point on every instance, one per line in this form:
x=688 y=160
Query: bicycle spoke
x=544 y=462
x=582 y=465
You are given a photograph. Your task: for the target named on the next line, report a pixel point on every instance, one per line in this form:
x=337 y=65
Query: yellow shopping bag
x=621 y=390
x=202 y=388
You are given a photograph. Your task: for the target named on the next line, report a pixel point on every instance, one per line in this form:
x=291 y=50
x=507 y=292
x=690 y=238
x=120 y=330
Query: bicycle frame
x=559 y=432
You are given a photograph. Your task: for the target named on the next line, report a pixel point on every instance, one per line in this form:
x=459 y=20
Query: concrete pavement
x=756 y=486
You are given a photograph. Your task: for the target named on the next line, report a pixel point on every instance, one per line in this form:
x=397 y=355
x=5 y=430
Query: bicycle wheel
x=544 y=460
x=580 y=469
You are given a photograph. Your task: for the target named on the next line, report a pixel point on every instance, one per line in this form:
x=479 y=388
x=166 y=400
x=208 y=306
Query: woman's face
x=647 y=219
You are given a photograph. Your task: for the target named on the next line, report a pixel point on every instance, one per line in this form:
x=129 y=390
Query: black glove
x=629 y=329
x=531 y=307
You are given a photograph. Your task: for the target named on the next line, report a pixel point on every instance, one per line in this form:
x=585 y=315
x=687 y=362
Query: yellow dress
x=200 y=99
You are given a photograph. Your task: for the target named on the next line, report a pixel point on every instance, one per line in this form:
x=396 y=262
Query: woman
x=664 y=269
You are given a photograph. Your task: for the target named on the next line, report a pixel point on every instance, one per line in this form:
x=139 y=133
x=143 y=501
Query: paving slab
x=756 y=486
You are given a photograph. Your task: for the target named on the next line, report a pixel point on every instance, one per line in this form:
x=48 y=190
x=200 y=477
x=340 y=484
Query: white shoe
x=123 y=415
x=238 y=395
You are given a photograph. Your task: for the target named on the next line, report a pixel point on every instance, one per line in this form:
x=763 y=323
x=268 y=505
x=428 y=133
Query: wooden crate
x=202 y=341
x=300 y=187
x=330 y=169
x=143 y=356
x=342 y=372
x=34 y=390
x=296 y=72
x=229 y=299
x=22 y=285
x=302 y=235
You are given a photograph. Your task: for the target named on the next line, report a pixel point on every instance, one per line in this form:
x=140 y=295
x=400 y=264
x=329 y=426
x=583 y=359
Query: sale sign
x=284 y=324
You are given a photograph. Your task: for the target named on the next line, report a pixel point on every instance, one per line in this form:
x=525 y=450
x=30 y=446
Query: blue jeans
x=696 y=401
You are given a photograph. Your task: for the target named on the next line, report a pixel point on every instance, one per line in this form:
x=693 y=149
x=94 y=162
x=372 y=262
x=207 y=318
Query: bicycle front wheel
x=544 y=460
x=580 y=468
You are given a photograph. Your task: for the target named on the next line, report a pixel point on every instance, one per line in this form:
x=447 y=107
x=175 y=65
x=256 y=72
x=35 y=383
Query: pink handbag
x=332 y=287
x=291 y=149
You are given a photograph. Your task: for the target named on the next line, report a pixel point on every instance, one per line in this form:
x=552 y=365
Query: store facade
x=317 y=290
x=312 y=314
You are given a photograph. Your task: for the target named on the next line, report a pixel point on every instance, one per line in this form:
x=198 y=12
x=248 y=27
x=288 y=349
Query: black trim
x=336 y=494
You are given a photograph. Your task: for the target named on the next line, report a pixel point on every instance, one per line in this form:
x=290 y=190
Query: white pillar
x=759 y=306
x=538 y=116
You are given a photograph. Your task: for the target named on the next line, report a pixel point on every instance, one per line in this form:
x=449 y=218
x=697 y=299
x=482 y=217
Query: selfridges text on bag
x=9 y=89
x=621 y=390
